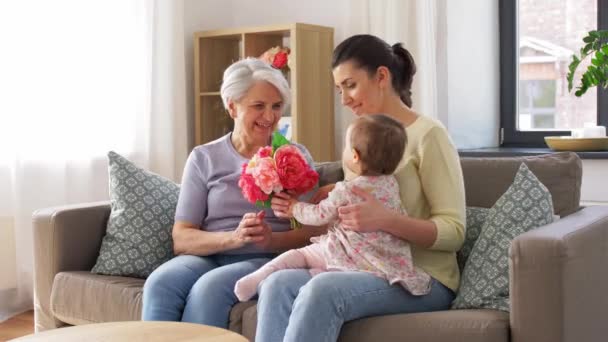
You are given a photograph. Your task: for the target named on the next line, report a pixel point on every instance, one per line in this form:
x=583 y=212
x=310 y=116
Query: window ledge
x=523 y=151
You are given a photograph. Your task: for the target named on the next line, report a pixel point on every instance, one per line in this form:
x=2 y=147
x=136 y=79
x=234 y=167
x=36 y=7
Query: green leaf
x=263 y=204
x=572 y=67
x=585 y=50
x=596 y=73
x=278 y=140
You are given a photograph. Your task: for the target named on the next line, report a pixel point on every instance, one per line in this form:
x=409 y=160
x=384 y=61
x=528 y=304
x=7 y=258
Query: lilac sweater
x=210 y=196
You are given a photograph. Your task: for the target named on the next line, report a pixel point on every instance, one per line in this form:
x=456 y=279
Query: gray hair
x=241 y=76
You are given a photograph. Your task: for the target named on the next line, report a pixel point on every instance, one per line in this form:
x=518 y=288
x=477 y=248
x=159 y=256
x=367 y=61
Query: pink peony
x=266 y=176
x=293 y=170
x=264 y=152
x=250 y=190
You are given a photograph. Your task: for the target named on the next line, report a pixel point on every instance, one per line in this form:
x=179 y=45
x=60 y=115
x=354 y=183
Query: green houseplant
x=596 y=46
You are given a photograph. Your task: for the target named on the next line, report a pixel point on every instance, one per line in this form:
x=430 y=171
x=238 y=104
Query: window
x=537 y=41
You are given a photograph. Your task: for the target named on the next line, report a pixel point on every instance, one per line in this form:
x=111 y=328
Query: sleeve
x=192 y=202
x=307 y=196
x=324 y=212
x=443 y=186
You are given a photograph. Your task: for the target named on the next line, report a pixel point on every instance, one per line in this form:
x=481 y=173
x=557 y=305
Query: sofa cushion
x=524 y=206
x=439 y=326
x=329 y=172
x=476 y=217
x=82 y=297
x=138 y=235
x=486 y=179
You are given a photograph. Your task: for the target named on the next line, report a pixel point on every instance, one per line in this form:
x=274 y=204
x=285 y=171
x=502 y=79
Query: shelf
x=210 y=93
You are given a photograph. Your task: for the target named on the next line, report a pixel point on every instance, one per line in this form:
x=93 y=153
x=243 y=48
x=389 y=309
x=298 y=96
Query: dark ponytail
x=370 y=52
x=404 y=63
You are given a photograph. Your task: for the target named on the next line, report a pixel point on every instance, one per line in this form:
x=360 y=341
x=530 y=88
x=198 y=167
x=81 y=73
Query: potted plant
x=596 y=46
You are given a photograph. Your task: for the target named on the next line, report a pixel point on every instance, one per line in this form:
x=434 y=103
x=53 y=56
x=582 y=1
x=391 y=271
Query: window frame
x=509 y=136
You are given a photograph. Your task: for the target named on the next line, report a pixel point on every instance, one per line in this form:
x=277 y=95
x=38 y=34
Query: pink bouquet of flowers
x=276 y=168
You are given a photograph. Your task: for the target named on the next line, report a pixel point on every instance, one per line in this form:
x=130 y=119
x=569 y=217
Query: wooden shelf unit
x=312 y=107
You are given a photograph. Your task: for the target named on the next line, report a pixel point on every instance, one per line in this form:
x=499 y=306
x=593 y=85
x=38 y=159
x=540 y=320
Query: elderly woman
x=218 y=236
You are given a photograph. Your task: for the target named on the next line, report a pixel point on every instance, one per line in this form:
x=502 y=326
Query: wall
x=594 y=189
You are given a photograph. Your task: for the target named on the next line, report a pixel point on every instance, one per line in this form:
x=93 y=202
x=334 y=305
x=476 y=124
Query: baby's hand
x=282 y=205
x=292 y=202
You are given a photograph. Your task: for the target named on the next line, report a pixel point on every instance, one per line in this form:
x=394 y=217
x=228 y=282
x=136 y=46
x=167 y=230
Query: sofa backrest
x=486 y=179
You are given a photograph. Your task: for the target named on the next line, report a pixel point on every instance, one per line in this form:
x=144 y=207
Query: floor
x=17 y=326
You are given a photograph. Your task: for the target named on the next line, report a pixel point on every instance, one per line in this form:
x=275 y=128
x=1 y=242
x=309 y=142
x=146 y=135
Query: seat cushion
x=83 y=297
x=439 y=326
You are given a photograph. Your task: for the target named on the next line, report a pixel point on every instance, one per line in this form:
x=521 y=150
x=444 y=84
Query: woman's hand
x=282 y=204
x=252 y=229
x=322 y=193
x=367 y=216
x=265 y=234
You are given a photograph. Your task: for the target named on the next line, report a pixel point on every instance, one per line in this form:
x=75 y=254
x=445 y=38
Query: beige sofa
x=558 y=276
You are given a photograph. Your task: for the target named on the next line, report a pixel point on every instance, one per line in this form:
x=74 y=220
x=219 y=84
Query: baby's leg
x=314 y=258
x=247 y=286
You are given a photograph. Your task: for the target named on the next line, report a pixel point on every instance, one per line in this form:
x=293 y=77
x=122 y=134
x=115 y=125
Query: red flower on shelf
x=278 y=57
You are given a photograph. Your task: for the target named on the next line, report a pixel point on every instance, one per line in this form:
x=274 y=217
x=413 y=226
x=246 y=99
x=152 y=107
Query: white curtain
x=415 y=23
x=77 y=79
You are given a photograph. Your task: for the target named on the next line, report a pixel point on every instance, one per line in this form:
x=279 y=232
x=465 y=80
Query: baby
x=373 y=149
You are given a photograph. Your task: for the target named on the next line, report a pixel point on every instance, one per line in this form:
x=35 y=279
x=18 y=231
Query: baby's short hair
x=380 y=141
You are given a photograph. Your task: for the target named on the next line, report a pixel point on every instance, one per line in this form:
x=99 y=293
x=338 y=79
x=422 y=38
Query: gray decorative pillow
x=526 y=205
x=138 y=235
x=476 y=217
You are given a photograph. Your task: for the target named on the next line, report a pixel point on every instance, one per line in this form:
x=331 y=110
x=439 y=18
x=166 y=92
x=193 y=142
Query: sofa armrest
x=558 y=280
x=65 y=239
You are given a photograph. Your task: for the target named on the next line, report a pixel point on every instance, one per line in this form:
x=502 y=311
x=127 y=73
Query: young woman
x=374 y=77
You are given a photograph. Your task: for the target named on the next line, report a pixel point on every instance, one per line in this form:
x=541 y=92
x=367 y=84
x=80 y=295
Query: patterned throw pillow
x=138 y=234
x=476 y=217
x=526 y=205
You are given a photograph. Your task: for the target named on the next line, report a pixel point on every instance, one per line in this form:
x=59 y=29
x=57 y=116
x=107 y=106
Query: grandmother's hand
x=266 y=234
x=367 y=216
x=252 y=229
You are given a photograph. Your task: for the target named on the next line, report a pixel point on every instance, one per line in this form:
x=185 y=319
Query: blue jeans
x=197 y=289
x=294 y=307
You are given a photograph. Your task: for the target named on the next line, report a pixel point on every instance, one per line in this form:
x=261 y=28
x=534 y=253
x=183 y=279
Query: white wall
x=595 y=186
